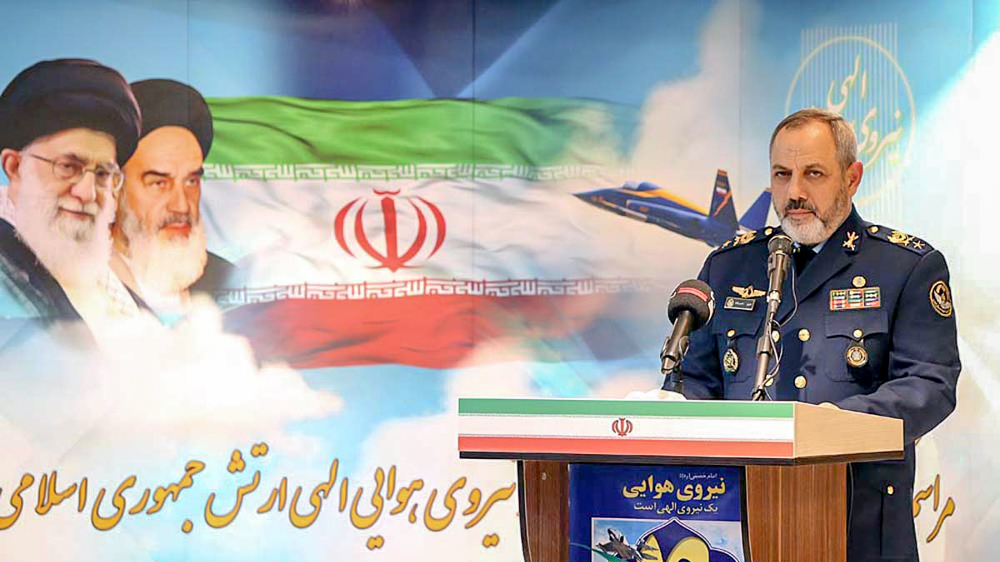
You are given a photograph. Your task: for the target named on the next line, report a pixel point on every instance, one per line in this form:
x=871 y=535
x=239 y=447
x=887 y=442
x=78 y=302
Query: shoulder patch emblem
x=940 y=296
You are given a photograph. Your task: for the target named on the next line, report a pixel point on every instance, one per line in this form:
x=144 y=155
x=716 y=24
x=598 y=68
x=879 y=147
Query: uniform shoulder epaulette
x=749 y=237
x=898 y=238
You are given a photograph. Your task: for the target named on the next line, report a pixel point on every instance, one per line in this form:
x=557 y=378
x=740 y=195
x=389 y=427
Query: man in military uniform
x=866 y=321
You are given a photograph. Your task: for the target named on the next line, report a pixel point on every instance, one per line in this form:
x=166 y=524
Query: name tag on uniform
x=855 y=299
x=736 y=303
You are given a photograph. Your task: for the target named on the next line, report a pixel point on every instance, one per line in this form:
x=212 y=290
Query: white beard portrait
x=76 y=252
x=165 y=267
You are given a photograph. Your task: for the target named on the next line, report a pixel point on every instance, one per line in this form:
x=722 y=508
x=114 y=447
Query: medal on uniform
x=857 y=298
x=730 y=361
x=857 y=356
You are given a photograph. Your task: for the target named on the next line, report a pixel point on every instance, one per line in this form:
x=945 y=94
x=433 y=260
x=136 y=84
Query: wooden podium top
x=643 y=431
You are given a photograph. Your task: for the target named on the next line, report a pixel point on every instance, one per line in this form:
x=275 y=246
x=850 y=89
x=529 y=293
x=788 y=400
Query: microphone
x=779 y=250
x=691 y=306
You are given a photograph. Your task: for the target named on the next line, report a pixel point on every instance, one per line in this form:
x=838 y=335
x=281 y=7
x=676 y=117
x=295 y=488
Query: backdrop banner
x=342 y=216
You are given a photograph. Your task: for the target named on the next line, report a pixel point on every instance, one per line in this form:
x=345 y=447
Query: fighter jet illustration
x=617 y=546
x=650 y=203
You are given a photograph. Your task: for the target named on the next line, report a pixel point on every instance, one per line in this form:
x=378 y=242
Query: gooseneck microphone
x=779 y=249
x=691 y=306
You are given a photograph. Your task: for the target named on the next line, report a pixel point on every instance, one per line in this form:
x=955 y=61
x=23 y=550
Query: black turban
x=168 y=102
x=56 y=95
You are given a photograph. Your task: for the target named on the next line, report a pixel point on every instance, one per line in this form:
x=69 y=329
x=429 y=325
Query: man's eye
x=68 y=169
x=193 y=181
x=101 y=174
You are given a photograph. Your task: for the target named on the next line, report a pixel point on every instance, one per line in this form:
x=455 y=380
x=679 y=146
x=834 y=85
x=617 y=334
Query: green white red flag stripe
x=569 y=407
x=641 y=428
x=627 y=448
x=626 y=428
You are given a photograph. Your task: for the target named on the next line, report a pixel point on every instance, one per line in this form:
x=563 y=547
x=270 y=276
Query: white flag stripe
x=283 y=232
x=642 y=427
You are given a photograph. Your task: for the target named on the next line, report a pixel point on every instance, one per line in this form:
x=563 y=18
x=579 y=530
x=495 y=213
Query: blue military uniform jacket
x=872 y=329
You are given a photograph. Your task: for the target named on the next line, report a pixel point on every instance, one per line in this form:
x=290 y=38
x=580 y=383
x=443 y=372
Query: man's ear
x=853 y=175
x=11 y=161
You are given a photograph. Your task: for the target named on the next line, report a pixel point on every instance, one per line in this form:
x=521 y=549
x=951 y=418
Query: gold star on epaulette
x=918 y=244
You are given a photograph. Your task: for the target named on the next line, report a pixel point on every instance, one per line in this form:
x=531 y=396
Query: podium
x=795 y=457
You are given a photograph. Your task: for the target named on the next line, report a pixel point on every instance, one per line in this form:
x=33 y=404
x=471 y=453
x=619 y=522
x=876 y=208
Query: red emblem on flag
x=350 y=222
x=621 y=426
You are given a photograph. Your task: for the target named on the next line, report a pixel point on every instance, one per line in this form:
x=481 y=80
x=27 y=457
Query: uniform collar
x=836 y=254
x=850 y=234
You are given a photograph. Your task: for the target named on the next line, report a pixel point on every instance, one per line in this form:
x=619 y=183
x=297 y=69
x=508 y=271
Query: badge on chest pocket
x=736 y=335
x=854 y=339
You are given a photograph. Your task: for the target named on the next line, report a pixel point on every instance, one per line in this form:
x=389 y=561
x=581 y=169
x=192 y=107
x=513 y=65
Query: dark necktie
x=803 y=256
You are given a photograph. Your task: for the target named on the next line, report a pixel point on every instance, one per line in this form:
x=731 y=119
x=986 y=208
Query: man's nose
x=796 y=189
x=178 y=202
x=85 y=189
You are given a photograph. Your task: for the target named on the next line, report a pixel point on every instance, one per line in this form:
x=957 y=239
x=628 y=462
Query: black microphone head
x=779 y=243
x=694 y=296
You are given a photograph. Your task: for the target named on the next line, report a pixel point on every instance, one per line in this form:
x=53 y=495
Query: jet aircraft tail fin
x=756 y=215
x=722 y=210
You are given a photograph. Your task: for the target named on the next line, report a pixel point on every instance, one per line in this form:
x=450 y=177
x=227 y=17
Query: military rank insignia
x=900 y=239
x=855 y=299
x=745 y=238
x=730 y=361
x=903 y=239
x=857 y=356
x=852 y=237
x=941 y=299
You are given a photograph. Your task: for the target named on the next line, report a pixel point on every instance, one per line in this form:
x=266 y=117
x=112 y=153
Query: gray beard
x=818 y=228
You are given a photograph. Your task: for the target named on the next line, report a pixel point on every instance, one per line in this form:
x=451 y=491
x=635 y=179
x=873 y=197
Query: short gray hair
x=844 y=140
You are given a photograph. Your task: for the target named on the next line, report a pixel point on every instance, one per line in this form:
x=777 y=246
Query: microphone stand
x=671 y=367
x=764 y=347
x=778 y=249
